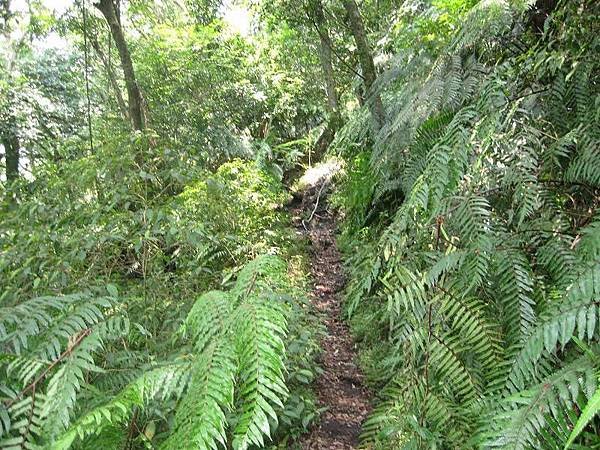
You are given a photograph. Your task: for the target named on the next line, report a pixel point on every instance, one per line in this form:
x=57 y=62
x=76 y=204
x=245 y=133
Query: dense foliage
x=153 y=293
x=474 y=220
x=136 y=264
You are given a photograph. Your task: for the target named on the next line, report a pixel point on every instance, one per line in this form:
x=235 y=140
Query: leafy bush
x=354 y=196
x=236 y=210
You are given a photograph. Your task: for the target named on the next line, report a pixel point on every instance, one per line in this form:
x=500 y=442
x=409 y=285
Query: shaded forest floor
x=340 y=388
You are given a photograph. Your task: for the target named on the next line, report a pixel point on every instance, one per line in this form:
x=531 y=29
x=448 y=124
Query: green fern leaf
x=591 y=409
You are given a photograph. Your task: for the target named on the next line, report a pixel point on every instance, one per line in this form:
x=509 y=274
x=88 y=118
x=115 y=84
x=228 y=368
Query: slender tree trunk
x=325 y=56
x=112 y=77
x=365 y=58
x=11 y=157
x=134 y=96
x=9 y=138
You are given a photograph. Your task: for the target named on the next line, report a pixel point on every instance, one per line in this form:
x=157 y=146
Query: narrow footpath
x=340 y=388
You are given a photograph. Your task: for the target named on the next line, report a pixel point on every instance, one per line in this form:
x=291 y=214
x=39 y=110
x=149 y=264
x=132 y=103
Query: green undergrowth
x=105 y=340
x=240 y=374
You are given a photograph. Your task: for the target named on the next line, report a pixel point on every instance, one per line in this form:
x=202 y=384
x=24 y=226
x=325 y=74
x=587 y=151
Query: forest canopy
x=158 y=282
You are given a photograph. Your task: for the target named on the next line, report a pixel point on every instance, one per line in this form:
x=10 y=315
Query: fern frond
x=50 y=320
x=588 y=247
x=265 y=272
x=589 y=411
x=159 y=383
x=584 y=167
x=200 y=420
x=469 y=323
x=208 y=318
x=237 y=378
x=574 y=316
x=64 y=385
x=515 y=289
x=525 y=416
x=262 y=382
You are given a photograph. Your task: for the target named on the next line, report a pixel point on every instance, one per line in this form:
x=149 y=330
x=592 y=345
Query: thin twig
x=317 y=202
x=87 y=77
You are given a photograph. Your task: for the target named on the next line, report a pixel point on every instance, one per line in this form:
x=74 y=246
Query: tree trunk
x=112 y=78
x=134 y=95
x=325 y=57
x=365 y=58
x=325 y=52
x=11 y=157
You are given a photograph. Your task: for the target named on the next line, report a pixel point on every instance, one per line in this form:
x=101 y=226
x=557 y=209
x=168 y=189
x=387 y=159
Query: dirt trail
x=340 y=388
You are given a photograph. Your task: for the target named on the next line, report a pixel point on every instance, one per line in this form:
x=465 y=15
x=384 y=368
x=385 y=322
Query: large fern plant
x=49 y=349
x=483 y=280
x=225 y=386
